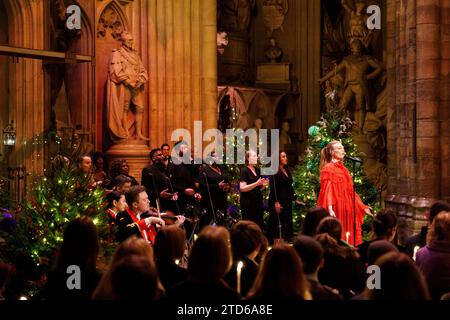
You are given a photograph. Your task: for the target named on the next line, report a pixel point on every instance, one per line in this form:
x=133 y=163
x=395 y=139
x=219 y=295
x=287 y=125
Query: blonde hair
x=326 y=153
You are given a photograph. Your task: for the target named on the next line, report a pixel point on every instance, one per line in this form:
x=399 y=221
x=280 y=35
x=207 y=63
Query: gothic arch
x=260 y=107
x=107 y=21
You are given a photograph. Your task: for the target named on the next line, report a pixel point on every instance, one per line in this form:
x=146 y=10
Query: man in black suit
x=156 y=182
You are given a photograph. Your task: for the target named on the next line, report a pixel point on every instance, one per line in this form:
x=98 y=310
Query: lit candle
x=416 y=248
x=347 y=236
x=238 y=275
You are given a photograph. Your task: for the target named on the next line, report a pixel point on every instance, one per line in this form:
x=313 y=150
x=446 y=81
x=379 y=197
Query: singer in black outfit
x=280 y=201
x=154 y=176
x=183 y=178
x=213 y=176
x=250 y=187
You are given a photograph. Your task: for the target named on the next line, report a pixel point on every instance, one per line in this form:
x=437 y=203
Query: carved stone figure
x=285 y=139
x=356 y=68
x=273 y=12
x=222 y=41
x=126 y=79
x=358 y=23
x=273 y=52
x=236 y=14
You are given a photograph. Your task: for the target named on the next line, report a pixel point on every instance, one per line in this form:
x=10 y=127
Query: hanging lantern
x=9 y=135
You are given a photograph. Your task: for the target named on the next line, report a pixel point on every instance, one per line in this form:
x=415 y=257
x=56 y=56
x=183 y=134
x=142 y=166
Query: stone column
x=418 y=106
x=182 y=65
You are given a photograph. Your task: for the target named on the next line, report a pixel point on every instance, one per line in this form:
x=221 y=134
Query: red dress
x=336 y=190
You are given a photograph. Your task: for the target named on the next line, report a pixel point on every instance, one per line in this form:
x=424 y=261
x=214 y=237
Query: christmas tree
x=34 y=231
x=333 y=125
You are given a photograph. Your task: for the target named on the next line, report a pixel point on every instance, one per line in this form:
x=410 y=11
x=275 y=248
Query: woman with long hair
x=250 y=186
x=336 y=192
x=132 y=246
x=280 y=201
x=79 y=248
x=280 y=277
x=209 y=261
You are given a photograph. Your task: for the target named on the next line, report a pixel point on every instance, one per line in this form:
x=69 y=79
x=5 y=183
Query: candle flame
x=416 y=248
x=240 y=265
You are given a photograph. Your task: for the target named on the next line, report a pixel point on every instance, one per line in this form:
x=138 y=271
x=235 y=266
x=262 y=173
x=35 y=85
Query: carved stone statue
x=358 y=23
x=285 y=139
x=222 y=41
x=126 y=79
x=273 y=52
x=273 y=12
x=356 y=68
x=236 y=14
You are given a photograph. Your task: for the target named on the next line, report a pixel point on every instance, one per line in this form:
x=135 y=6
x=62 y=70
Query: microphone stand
x=158 y=207
x=276 y=200
x=171 y=190
x=210 y=199
x=354 y=197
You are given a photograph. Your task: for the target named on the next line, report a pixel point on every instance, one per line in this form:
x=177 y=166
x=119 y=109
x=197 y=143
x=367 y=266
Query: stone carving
x=358 y=23
x=109 y=19
x=285 y=138
x=273 y=52
x=126 y=79
x=222 y=41
x=235 y=15
x=356 y=68
x=273 y=12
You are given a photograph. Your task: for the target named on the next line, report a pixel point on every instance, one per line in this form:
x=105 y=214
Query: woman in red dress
x=336 y=192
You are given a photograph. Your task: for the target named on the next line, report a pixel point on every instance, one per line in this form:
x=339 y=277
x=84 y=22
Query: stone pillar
x=418 y=100
x=27 y=100
x=182 y=65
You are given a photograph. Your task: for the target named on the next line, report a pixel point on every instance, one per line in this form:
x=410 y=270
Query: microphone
x=354 y=159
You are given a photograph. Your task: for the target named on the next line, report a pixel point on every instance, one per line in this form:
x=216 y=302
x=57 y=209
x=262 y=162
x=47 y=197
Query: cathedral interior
x=120 y=77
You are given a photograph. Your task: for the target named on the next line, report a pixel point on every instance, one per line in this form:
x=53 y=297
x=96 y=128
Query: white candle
x=416 y=248
x=347 y=236
x=238 y=275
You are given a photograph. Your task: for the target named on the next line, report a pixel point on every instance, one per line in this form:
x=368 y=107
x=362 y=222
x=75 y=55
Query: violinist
x=137 y=220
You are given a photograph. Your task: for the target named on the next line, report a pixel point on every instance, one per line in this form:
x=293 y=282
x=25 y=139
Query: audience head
x=332 y=226
x=436 y=208
x=116 y=201
x=377 y=249
x=246 y=239
x=312 y=220
x=181 y=148
x=384 y=225
x=137 y=199
x=440 y=228
x=280 y=276
x=80 y=245
x=310 y=252
x=400 y=279
x=134 y=278
x=84 y=163
x=170 y=243
x=122 y=183
x=133 y=246
x=210 y=257
x=283 y=159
